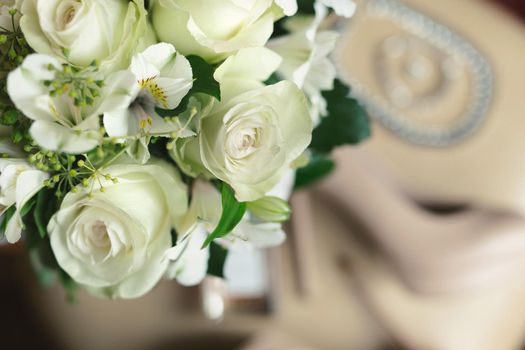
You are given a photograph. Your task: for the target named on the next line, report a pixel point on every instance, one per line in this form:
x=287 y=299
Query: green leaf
x=217 y=259
x=28 y=206
x=6 y=217
x=69 y=285
x=46 y=206
x=347 y=122
x=318 y=167
x=306 y=6
x=203 y=75
x=273 y=79
x=232 y=213
x=46 y=275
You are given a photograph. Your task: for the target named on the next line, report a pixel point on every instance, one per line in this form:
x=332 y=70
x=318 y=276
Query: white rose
x=250 y=139
x=87 y=30
x=114 y=243
x=214 y=29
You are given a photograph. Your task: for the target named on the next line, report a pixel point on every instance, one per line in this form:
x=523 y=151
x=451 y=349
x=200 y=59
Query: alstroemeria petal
x=55 y=137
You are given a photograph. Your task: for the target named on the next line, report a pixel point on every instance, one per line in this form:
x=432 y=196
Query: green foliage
x=46 y=206
x=4 y=220
x=318 y=167
x=70 y=286
x=218 y=255
x=347 y=122
x=273 y=79
x=39 y=211
x=203 y=74
x=232 y=213
x=306 y=6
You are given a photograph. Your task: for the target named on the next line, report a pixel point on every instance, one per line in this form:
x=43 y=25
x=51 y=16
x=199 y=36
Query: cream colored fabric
x=434 y=282
x=488 y=168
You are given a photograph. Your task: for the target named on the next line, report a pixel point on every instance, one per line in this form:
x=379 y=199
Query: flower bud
x=270 y=209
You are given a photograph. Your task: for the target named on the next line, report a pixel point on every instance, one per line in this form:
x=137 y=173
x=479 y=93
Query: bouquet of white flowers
x=143 y=139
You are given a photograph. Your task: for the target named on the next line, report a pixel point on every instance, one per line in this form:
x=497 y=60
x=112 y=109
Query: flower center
x=99 y=236
x=143 y=117
x=66 y=13
x=155 y=91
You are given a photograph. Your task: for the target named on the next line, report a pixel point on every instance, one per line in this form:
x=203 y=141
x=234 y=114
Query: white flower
x=114 y=243
x=250 y=139
x=306 y=61
x=19 y=182
x=5 y=15
x=214 y=29
x=81 y=31
x=58 y=124
x=345 y=8
x=161 y=79
x=7 y=147
x=190 y=262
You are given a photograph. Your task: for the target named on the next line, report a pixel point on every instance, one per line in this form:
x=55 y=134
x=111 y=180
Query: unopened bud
x=270 y=209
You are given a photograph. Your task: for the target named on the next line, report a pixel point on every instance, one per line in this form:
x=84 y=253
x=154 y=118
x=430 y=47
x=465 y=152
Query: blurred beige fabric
x=444 y=282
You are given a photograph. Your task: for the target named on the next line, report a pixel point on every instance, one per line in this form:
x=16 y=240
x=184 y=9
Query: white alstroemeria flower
x=344 y=8
x=19 y=182
x=306 y=59
x=190 y=262
x=58 y=125
x=162 y=78
x=216 y=29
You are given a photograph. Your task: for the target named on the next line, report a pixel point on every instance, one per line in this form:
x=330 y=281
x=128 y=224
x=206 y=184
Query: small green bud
x=73 y=173
x=3 y=39
x=270 y=209
x=13 y=11
x=81 y=163
x=12 y=54
x=56 y=178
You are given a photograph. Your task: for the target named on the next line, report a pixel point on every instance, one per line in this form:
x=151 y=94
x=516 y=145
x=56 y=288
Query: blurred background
x=417 y=241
